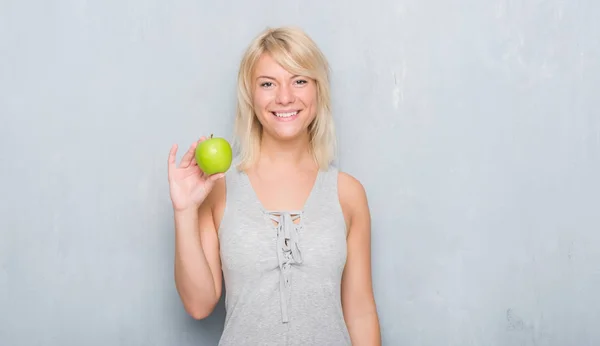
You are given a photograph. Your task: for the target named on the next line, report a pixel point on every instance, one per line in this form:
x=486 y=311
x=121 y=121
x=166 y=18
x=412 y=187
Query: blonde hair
x=296 y=52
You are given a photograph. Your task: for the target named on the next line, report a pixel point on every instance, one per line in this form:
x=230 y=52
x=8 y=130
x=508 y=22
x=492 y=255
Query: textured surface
x=474 y=126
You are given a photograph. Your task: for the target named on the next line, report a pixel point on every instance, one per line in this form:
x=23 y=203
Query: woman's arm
x=198 y=277
x=360 y=311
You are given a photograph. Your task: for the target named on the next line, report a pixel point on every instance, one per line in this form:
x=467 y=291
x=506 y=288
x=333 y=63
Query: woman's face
x=285 y=104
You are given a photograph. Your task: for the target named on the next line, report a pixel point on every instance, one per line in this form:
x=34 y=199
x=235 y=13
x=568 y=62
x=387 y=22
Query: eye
x=301 y=81
x=266 y=84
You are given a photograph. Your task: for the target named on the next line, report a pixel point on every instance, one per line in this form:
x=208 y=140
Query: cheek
x=259 y=102
x=309 y=96
x=310 y=101
x=262 y=99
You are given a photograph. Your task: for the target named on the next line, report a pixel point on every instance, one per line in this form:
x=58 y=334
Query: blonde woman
x=287 y=233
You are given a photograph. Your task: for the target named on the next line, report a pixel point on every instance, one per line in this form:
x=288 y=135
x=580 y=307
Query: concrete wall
x=474 y=126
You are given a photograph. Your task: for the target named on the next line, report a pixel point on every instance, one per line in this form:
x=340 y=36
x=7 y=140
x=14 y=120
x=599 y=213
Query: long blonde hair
x=296 y=52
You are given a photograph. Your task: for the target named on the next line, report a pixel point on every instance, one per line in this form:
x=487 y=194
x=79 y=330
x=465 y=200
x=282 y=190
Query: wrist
x=190 y=212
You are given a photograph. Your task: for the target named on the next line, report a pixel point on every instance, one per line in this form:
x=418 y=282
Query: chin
x=286 y=134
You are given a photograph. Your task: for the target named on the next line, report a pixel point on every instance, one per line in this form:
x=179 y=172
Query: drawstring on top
x=288 y=253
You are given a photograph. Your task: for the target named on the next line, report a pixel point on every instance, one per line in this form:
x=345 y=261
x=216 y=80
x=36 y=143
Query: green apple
x=214 y=155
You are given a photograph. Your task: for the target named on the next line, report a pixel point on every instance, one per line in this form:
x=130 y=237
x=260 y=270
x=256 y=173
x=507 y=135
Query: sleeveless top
x=283 y=268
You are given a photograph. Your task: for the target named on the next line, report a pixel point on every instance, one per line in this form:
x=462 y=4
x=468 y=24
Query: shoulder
x=350 y=187
x=353 y=197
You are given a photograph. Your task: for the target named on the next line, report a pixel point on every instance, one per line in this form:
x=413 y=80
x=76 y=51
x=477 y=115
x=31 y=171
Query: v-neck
x=307 y=202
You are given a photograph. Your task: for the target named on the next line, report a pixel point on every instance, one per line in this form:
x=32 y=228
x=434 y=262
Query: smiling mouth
x=285 y=114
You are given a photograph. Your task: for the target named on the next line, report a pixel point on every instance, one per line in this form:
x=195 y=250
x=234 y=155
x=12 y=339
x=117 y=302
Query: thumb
x=216 y=177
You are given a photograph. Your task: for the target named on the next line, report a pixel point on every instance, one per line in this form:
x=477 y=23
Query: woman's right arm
x=198 y=275
x=197 y=260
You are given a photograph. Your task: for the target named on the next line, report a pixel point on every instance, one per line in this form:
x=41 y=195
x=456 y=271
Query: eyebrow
x=267 y=77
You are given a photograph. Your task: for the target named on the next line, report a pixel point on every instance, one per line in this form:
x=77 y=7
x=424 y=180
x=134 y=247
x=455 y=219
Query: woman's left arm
x=360 y=311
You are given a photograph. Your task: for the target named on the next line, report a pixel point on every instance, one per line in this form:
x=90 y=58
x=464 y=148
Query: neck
x=294 y=152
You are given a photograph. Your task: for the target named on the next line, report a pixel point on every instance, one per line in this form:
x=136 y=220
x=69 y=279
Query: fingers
x=200 y=140
x=210 y=178
x=209 y=181
x=188 y=158
x=171 y=161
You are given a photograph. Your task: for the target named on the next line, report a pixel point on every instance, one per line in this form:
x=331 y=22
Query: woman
x=289 y=233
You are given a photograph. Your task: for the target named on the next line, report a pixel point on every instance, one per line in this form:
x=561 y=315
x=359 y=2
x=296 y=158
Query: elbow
x=200 y=311
x=199 y=315
x=198 y=303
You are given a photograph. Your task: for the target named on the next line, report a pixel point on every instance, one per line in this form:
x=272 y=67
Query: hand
x=188 y=185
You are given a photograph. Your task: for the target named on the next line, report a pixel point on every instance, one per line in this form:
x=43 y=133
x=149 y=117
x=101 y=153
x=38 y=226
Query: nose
x=285 y=95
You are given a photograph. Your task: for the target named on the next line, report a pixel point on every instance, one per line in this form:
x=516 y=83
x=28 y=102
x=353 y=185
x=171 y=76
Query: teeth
x=285 y=115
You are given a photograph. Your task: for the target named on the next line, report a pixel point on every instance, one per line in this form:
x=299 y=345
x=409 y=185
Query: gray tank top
x=283 y=269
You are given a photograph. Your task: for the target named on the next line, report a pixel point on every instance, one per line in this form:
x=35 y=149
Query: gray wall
x=474 y=125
